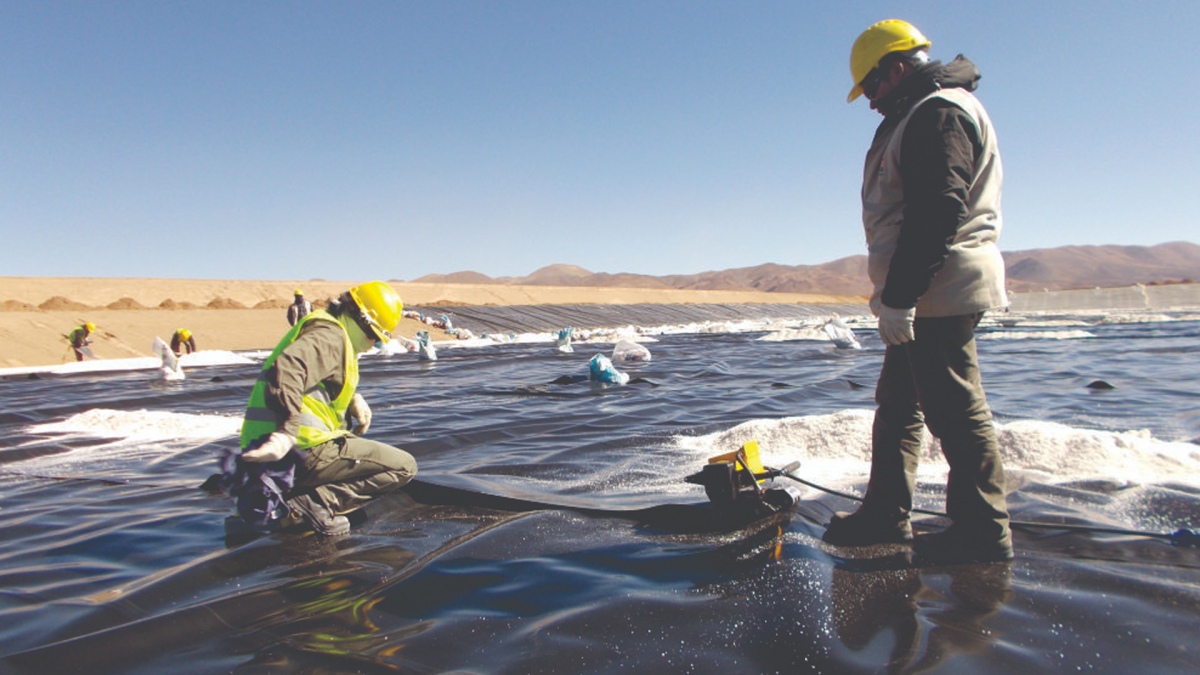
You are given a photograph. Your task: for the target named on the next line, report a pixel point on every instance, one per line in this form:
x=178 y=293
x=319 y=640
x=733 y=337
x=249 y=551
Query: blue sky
x=297 y=140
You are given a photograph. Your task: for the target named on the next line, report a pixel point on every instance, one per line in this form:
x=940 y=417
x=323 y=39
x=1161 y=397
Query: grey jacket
x=931 y=198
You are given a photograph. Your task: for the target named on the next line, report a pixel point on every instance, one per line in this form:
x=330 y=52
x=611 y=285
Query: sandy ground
x=37 y=312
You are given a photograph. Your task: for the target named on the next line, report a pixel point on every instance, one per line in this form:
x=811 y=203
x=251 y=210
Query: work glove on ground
x=896 y=325
x=360 y=411
x=273 y=449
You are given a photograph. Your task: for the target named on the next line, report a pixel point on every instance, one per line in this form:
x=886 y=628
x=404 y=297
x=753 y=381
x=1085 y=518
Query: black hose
x=1181 y=537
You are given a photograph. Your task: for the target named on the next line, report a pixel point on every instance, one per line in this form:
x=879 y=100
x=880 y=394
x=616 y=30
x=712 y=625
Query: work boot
x=958 y=545
x=322 y=521
x=864 y=528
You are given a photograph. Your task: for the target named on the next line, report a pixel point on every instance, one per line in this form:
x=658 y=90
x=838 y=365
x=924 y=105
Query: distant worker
x=299 y=308
x=182 y=339
x=304 y=401
x=80 y=338
x=931 y=212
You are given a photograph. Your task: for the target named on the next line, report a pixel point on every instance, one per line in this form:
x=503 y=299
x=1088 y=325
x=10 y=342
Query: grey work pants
x=347 y=472
x=934 y=381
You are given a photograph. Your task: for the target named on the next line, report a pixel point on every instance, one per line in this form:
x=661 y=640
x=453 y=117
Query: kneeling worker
x=305 y=398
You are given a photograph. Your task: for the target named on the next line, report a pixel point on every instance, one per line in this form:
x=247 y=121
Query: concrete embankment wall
x=1157 y=298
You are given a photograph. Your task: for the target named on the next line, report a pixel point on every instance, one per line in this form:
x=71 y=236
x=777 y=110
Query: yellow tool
x=745 y=457
x=734 y=484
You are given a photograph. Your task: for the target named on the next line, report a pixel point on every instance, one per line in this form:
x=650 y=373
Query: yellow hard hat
x=876 y=42
x=89 y=326
x=299 y=292
x=185 y=334
x=380 y=306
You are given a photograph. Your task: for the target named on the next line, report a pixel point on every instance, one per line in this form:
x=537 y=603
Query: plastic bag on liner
x=840 y=334
x=602 y=371
x=563 y=341
x=425 y=350
x=627 y=350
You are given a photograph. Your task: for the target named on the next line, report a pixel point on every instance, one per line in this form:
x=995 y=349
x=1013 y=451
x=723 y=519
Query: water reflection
x=915 y=619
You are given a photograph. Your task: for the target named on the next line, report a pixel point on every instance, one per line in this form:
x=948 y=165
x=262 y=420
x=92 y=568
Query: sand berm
x=36 y=313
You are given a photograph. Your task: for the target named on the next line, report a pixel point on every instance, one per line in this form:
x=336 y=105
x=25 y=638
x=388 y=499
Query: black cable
x=1181 y=537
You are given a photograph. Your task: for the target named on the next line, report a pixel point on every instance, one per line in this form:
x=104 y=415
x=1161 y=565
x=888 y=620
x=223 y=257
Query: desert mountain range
x=1055 y=269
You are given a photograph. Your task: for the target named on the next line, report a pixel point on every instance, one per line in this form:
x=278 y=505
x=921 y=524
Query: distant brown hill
x=1055 y=269
x=1071 y=267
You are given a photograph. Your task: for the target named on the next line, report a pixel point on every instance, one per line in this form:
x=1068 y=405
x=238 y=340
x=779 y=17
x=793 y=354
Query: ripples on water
x=111 y=559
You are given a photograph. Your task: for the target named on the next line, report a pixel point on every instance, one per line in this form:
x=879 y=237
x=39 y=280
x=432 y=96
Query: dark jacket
x=940 y=147
x=298 y=310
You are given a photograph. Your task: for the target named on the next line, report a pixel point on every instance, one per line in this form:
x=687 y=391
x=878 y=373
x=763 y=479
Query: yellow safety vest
x=321 y=419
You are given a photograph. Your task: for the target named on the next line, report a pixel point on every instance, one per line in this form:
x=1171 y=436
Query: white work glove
x=273 y=449
x=896 y=325
x=359 y=410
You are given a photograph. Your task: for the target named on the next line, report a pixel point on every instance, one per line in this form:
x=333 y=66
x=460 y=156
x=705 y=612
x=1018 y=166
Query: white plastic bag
x=840 y=334
x=628 y=350
x=425 y=350
x=563 y=341
x=170 y=369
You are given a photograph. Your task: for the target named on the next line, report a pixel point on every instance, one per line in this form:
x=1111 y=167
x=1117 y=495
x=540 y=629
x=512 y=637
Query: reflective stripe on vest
x=321 y=419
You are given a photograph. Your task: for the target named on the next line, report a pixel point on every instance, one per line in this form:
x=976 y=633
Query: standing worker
x=80 y=338
x=305 y=398
x=183 y=338
x=931 y=211
x=299 y=308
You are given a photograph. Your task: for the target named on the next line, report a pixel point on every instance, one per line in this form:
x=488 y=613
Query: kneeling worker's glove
x=273 y=449
x=896 y=325
x=359 y=410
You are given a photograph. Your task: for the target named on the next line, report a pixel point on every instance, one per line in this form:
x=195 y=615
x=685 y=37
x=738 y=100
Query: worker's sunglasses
x=870 y=83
